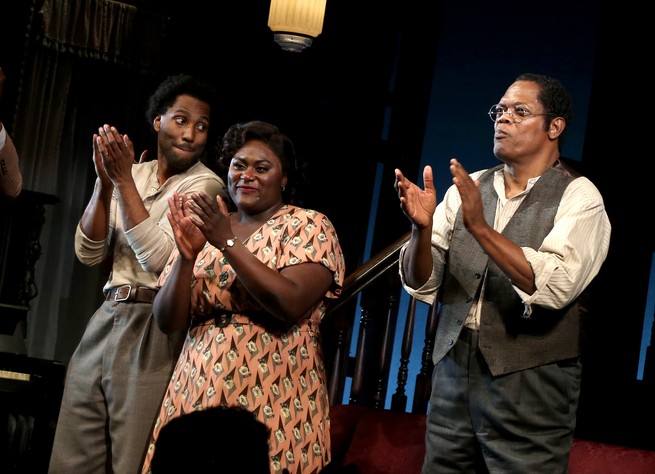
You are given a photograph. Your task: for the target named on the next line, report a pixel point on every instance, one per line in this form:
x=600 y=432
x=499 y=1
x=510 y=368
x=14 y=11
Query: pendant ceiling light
x=295 y=23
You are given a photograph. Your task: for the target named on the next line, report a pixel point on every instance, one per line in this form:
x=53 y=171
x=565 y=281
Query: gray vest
x=508 y=341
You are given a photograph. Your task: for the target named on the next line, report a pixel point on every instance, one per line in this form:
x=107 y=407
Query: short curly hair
x=281 y=145
x=184 y=84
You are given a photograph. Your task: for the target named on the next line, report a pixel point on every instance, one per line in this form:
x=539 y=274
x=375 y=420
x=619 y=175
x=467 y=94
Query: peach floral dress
x=236 y=354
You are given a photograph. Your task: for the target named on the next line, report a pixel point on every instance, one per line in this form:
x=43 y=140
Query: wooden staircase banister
x=369 y=271
x=369 y=368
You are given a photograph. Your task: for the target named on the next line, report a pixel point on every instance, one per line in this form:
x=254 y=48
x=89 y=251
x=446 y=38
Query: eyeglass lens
x=517 y=113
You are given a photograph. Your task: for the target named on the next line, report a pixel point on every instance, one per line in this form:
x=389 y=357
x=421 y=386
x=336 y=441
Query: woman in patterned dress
x=251 y=288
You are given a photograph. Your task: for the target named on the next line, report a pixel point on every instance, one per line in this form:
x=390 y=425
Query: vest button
x=477 y=275
x=469 y=299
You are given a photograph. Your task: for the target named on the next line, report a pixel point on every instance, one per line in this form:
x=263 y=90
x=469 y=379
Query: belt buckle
x=126 y=297
x=223 y=320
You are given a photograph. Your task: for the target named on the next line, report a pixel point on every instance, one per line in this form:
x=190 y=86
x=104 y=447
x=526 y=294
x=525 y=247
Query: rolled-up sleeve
x=574 y=250
x=152 y=243
x=152 y=240
x=90 y=252
x=428 y=292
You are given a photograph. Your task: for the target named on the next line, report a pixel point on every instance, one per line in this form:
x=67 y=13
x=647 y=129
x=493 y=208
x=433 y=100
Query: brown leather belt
x=131 y=293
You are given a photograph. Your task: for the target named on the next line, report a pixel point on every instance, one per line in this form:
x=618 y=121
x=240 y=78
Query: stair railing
x=376 y=287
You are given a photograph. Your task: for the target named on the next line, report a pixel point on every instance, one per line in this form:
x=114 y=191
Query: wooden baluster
x=386 y=348
x=360 y=358
x=424 y=377
x=337 y=376
x=399 y=399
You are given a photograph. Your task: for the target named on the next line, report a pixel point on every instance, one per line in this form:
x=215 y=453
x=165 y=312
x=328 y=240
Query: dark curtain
x=87 y=62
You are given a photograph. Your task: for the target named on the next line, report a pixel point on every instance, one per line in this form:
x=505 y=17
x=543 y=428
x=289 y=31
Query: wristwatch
x=228 y=243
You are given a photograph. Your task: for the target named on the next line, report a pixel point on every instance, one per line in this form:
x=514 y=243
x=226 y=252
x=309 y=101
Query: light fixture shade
x=296 y=22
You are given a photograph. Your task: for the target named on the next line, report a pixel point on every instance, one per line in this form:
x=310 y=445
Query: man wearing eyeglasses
x=508 y=254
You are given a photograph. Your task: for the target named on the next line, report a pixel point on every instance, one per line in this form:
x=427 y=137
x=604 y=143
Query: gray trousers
x=114 y=385
x=518 y=423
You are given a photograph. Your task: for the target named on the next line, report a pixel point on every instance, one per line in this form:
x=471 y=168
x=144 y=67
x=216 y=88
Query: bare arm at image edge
x=11 y=181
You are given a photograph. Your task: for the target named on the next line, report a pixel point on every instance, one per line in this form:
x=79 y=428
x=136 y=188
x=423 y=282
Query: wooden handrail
x=368 y=272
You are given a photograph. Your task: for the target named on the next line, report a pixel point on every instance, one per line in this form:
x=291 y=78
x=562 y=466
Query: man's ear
x=156 y=123
x=556 y=127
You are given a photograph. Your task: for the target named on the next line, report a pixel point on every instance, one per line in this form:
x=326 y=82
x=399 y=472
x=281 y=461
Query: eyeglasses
x=518 y=113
